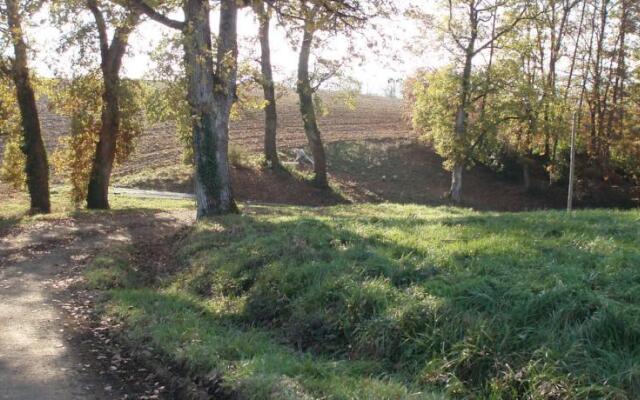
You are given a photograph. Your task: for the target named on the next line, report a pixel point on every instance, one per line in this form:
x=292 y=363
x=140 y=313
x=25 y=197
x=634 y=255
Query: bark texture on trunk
x=268 y=87
x=307 y=109
x=456 y=183
x=98 y=190
x=36 y=165
x=211 y=91
x=460 y=125
x=211 y=95
x=111 y=62
x=596 y=106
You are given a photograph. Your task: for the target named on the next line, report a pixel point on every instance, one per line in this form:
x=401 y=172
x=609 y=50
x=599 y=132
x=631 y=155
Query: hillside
x=373 y=156
x=389 y=302
x=373 y=118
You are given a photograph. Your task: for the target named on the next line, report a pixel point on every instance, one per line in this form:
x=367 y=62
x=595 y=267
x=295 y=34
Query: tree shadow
x=35 y=262
x=7 y=223
x=411 y=172
x=501 y=289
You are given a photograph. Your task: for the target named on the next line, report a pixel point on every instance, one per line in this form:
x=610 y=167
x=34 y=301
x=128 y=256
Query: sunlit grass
x=170 y=178
x=391 y=302
x=15 y=207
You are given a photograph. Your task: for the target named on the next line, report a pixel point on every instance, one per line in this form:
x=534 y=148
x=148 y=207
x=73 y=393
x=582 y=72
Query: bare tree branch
x=157 y=16
x=102 y=27
x=450 y=29
x=322 y=78
x=504 y=30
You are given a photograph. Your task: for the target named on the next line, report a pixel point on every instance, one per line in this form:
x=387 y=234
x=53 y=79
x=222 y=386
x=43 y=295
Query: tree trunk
x=460 y=125
x=98 y=192
x=597 y=110
x=210 y=98
x=36 y=166
x=575 y=52
x=111 y=62
x=305 y=93
x=268 y=87
x=456 y=183
x=572 y=161
x=526 y=175
x=615 y=111
x=225 y=91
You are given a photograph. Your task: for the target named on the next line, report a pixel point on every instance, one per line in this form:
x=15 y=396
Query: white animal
x=302 y=158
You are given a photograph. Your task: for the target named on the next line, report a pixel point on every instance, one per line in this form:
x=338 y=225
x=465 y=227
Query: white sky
x=394 y=60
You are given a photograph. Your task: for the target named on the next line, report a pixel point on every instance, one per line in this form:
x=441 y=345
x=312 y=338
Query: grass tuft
x=112 y=269
x=393 y=302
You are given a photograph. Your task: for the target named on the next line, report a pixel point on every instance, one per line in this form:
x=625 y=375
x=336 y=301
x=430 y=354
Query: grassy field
x=396 y=302
x=15 y=206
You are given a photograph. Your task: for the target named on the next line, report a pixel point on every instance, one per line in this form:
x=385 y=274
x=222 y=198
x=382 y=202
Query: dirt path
x=40 y=354
x=151 y=194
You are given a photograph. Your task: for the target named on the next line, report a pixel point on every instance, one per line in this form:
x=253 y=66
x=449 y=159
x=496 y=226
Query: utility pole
x=572 y=163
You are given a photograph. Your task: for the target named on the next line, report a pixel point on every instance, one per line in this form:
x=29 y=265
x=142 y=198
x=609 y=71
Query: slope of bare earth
x=373 y=156
x=372 y=118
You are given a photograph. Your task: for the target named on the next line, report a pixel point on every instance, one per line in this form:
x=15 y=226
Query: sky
x=391 y=61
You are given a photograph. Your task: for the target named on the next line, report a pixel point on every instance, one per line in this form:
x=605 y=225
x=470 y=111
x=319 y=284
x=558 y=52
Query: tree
x=551 y=26
x=264 y=11
x=101 y=126
x=12 y=169
x=111 y=53
x=555 y=58
x=210 y=93
x=391 y=90
x=305 y=94
x=432 y=94
x=471 y=26
x=75 y=98
x=167 y=102
x=313 y=17
x=36 y=163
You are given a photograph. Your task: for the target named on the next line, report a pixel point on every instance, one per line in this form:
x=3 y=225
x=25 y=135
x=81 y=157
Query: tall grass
x=403 y=302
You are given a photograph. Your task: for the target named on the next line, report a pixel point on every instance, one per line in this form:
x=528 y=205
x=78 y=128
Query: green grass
x=401 y=302
x=15 y=207
x=112 y=269
x=173 y=178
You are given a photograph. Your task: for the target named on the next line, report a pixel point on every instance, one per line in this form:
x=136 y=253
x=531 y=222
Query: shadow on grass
x=16 y=210
x=250 y=361
x=7 y=223
x=251 y=184
x=408 y=172
x=480 y=304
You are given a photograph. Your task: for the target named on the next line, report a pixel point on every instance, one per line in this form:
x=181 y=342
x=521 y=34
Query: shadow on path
x=39 y=358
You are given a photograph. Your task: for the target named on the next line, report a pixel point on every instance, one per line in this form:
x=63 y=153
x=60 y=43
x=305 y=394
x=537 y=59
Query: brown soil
x=410 y=172
x=373 y=156
x=398 y=171
x=52 y=346
x=267 y=186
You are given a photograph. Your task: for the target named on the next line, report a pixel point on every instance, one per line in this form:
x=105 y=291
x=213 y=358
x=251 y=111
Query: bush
x=240 y=158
